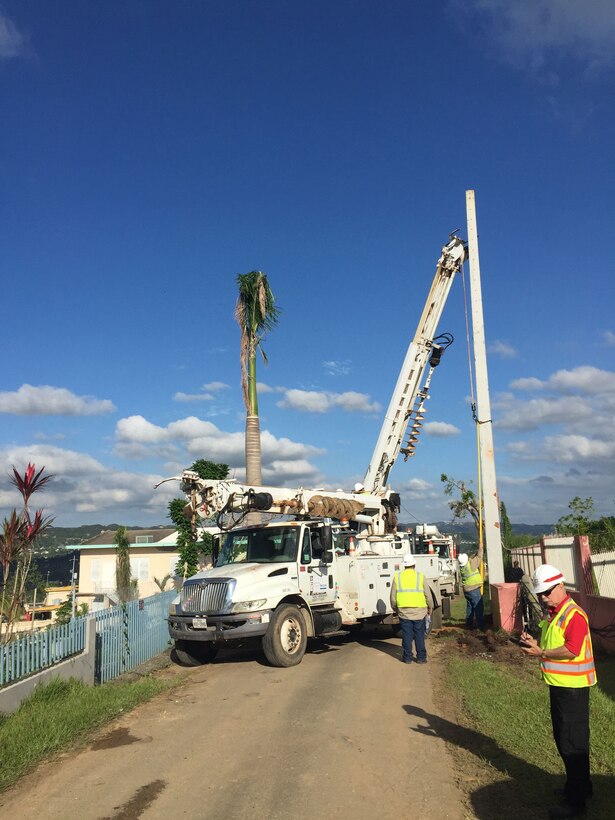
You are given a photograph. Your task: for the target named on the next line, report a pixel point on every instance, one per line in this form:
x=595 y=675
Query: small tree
x=126 y=586
x=64 y=612
x=162 y=582
x=188 y=545
x=466 y=504
x=17 y=539
x=579 y=520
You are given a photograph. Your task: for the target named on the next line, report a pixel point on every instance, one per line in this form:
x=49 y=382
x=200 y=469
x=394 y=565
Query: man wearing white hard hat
x=412 y=599
x=472 y=580
x=567 y=666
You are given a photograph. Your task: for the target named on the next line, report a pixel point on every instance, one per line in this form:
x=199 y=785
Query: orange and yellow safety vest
x=576 y=672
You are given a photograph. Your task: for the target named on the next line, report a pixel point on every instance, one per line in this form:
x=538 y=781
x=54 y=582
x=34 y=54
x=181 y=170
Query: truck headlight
x=173 y=609
x=247 y=606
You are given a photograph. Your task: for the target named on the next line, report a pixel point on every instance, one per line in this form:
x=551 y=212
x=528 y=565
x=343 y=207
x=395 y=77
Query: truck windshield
x=261 y=546
x=439 y=548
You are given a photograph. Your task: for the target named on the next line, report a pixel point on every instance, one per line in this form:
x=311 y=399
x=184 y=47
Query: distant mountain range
x=467 y=528
x=56 y=538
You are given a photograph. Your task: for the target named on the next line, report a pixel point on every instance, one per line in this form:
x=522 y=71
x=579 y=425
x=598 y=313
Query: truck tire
x=194 y=653
x=285 y=641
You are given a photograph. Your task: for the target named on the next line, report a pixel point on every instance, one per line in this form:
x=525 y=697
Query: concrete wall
x=80 y=667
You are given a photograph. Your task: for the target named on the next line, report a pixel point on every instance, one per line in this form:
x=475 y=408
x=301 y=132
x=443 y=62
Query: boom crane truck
x=328 y=561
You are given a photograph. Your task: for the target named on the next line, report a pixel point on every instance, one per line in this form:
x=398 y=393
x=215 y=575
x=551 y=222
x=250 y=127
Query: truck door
x=316 y=579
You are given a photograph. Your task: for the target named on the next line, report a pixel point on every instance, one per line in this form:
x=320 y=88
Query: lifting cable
x=474 y=416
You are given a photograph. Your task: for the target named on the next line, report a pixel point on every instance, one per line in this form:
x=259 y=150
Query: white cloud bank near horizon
x=47 y=400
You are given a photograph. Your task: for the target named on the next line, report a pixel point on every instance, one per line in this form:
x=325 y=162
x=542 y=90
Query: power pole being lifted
x=490 y=500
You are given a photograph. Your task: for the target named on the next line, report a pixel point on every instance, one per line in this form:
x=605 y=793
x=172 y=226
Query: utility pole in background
x=490 y=500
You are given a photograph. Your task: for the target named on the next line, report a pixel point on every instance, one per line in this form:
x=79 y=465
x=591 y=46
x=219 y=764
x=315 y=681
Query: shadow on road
x=526 y=791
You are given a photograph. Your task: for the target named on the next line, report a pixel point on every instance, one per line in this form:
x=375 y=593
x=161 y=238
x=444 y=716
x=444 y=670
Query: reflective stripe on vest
x=409 y=584
x=470 y=577
x=576 y=672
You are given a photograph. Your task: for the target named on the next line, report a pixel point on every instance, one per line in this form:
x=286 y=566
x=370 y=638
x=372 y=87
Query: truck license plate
x=199 y=623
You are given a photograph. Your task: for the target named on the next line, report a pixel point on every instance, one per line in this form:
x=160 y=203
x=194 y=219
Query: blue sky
x=152 y=150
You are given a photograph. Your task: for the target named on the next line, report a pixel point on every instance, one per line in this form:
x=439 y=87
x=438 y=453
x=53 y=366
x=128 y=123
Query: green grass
x=507 y=709
x=59 y=713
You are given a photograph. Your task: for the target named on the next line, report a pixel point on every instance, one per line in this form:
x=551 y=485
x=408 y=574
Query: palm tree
x=255 y=313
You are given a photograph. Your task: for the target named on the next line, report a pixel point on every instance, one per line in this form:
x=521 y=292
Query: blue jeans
x=413 y=631
x=474 y=608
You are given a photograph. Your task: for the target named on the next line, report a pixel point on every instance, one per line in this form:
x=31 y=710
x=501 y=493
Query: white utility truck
x=436 y=557
x=327 y=562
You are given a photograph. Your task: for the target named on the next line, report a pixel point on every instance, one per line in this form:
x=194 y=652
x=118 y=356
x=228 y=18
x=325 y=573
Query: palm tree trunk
x=253 y=451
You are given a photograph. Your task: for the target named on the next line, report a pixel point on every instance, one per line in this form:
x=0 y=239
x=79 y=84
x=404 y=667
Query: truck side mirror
x=326 y=539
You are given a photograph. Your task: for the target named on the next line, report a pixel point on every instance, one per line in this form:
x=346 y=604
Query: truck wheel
x=192 y=653
x=285 y=641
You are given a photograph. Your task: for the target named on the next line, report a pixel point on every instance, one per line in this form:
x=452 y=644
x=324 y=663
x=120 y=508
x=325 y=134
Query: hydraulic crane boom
x=422 y=351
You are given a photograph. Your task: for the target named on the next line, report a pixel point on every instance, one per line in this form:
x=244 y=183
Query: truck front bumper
x=220 y=627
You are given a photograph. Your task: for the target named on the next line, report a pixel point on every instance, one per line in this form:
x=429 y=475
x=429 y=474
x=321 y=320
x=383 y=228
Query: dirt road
x=338 y=737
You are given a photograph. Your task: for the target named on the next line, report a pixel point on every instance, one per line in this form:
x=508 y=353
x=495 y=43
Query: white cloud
x=137 y=428
x=530 y=383
x=608 y=337
x=354 y=402
x=81 y=484
x=51 y=401
x=503 y=349
x=193 y=397
x=309 y=401
x=261 y=387
x=441 y=429
x=535 y=34
x=138 y=438
x=315 y=401
x=584 y=379
x=215 y=387
x=529 y=415
x=571 y=448
x=334 y=368
x=12 y=43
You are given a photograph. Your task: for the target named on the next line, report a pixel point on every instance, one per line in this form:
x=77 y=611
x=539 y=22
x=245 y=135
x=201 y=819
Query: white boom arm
x=408 y=387
x=211 y=497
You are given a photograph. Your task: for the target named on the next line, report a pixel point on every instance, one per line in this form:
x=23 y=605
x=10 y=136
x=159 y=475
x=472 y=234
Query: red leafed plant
x=17 y=537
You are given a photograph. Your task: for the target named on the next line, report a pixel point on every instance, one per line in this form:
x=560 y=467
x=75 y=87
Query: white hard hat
x=409 y=559
x=545 y=577
x=463 y=559
x=358 y=487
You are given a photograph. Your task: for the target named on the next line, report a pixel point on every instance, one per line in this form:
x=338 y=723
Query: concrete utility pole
x=491 y=505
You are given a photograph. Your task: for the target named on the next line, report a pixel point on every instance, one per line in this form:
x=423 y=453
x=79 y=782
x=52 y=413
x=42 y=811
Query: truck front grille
x=204 y=596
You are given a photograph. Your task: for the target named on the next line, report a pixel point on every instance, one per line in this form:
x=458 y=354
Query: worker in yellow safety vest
x=412 y=600
x=567 y=666
x=472 y=581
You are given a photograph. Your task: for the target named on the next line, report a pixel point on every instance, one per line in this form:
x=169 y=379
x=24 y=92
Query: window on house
x=139 y=567
x=144 y=539
x=95 y=570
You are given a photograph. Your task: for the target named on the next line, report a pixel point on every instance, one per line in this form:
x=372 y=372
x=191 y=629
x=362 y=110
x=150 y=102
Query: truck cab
x=284 y=582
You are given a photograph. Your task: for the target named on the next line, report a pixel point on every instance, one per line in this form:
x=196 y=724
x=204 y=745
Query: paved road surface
x=335 y=737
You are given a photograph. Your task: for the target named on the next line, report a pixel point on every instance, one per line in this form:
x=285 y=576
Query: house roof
x=159 y=537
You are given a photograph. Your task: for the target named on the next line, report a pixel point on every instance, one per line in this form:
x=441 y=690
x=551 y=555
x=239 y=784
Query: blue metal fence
x=127 y=637
x=28 y=653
